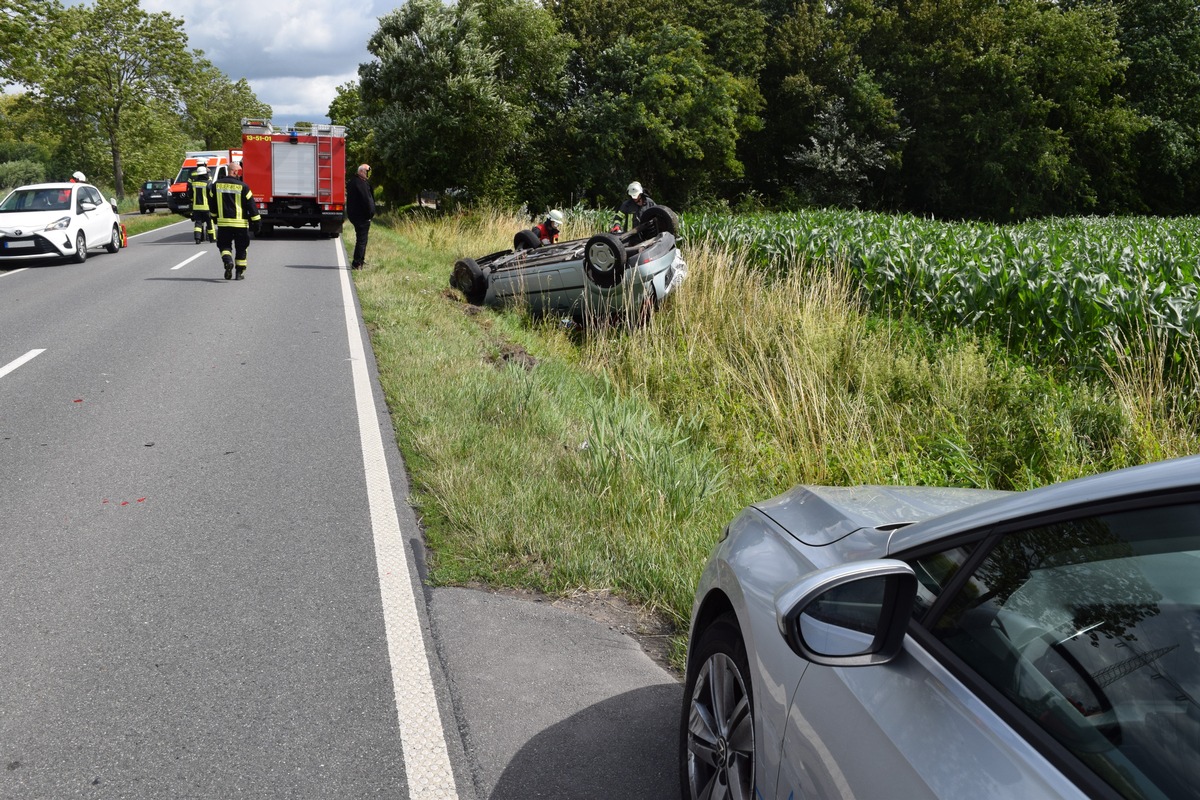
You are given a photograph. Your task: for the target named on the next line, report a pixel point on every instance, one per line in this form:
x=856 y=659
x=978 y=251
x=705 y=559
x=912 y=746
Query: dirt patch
x=650 y=631
x=512 y=354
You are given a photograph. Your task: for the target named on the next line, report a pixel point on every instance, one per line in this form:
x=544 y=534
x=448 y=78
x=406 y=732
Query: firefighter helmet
x=201 y=171
x=635 y=190
x=79 y=177
x=556 y=217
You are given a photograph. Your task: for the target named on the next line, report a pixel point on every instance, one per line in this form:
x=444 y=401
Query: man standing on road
x=202 y=226
x=360 y=209
x=232 y=205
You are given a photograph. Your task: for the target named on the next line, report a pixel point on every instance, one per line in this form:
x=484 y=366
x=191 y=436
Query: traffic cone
x=124 y=236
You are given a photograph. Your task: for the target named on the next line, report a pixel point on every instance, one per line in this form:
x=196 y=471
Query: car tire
x=716 y=731
x=114 y=241
x=526 y=240
x=80 y=247
x=469 y=279
x=604 y=260
x=665 y=221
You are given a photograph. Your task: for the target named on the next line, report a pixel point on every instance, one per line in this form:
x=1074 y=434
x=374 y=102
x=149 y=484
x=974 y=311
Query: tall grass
x=568 y=460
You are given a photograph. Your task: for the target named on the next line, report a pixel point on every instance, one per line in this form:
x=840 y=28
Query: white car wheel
x=80 y=248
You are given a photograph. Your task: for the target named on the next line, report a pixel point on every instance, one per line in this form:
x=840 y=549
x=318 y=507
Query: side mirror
x=87 y=206
x=852 y=615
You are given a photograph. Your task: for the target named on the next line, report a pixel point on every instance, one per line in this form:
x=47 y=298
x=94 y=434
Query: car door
x=97 y=221
x=1048 y=659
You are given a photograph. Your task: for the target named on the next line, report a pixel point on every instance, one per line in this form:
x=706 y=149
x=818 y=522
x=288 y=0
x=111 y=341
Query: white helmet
x=201 y=171
x=556 y=216
x=79 y=176
x=634 y=190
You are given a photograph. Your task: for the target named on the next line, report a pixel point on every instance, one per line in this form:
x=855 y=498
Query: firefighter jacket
x=546 y=232
x=232 y=203
x=199 y=190
x=629 y=213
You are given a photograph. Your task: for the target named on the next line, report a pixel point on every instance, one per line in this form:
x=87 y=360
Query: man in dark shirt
x=629 y=213
x=360 y=209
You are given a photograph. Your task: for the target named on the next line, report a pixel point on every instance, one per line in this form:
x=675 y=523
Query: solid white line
x=190 y=260
x=10 y=366
x=13 y=271
x=422 y=738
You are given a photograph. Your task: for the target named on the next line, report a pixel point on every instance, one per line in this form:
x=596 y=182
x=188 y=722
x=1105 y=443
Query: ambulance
x=217 y=162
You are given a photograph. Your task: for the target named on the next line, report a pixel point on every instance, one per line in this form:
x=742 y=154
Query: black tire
x=469 y=279
x=604 y=260
x=114 y=241
x=658 y=219
x=80 y=247
x=526 y=240
x=716 y=731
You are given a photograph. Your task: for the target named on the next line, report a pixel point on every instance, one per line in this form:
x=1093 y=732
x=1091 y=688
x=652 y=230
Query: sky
x=293 y=53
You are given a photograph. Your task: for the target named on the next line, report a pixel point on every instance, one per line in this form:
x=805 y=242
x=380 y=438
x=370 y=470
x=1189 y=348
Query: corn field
x=1055 y=291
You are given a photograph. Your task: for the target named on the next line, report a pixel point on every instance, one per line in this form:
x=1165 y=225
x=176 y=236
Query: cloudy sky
x=293 y=54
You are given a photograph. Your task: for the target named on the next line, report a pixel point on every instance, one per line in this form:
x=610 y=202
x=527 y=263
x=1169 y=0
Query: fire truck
x=217 y=162
x=297 y=174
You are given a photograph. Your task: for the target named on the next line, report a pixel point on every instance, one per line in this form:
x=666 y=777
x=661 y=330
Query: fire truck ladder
x=324 y=169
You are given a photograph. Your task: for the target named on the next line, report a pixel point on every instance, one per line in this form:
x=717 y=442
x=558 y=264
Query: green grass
x=562 y=461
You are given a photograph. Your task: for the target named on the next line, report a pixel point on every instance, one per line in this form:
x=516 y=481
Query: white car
x=57 y=220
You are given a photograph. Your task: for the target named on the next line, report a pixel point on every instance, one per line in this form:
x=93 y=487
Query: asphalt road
x=211 y=583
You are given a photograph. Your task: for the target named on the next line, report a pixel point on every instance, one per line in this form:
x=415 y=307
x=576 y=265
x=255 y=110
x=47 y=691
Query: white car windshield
x=37 y=200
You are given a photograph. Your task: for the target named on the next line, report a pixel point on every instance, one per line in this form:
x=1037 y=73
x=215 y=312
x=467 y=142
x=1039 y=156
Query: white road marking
x=10 y=366
x=190 y=260
x=422 y=738
x=13 y=271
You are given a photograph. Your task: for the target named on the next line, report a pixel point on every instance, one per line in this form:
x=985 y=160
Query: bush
x=19 y=173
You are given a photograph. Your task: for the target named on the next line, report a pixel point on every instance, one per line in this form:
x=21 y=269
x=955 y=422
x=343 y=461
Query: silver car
x=880 y=642
x=582 y=278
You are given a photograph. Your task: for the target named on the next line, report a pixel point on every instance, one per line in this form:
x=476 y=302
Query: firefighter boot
x=198 y=234
x=228 y=260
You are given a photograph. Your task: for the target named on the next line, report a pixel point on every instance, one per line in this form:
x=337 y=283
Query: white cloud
x=293 y=55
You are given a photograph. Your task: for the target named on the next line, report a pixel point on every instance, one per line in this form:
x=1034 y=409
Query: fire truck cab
x=297 y=174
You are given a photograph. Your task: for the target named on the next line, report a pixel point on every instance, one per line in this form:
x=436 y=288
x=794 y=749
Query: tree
x=216 y=105
x=107 y=61
x=347 y=109
x=441 y=118
x=658 y=109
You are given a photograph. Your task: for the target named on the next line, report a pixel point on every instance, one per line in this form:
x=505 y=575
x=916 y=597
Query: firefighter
x=233 y=209
x=629 y=213
x=548 y=231
x=202 y=225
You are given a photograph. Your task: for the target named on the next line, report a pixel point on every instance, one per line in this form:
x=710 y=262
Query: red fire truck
x=297 y=174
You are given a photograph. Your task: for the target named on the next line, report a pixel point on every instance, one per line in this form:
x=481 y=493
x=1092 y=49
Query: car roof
x=1175 y=475
x=60 y=185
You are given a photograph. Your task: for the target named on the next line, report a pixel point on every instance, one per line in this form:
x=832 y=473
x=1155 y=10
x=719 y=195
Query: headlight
x=59 y=224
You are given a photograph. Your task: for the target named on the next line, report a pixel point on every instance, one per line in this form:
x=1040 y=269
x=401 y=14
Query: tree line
x=985 y=109
x=109 y=90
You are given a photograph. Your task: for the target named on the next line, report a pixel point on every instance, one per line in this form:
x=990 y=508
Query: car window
x=1092 y=628
x=934 y=573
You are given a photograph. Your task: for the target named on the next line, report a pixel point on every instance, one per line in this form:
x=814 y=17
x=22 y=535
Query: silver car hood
x=822 y=515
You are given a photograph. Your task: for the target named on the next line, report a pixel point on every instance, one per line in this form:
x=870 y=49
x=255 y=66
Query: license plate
x=13 y=245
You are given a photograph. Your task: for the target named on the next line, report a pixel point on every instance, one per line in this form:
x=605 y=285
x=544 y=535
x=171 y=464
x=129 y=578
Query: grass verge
x=565 y=461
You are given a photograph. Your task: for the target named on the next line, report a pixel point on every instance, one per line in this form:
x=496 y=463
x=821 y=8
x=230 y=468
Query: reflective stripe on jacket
x=232 y=203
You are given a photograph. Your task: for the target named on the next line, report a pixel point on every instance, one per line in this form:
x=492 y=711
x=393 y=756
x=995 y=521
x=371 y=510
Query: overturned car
x=604 y=275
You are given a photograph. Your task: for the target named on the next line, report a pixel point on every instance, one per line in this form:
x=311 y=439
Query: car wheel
x=469 y=279
x=526 y=240
x=716 y=733
x=665 y=221
x=80 y=248
x=114 y=241
x=604 y=260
